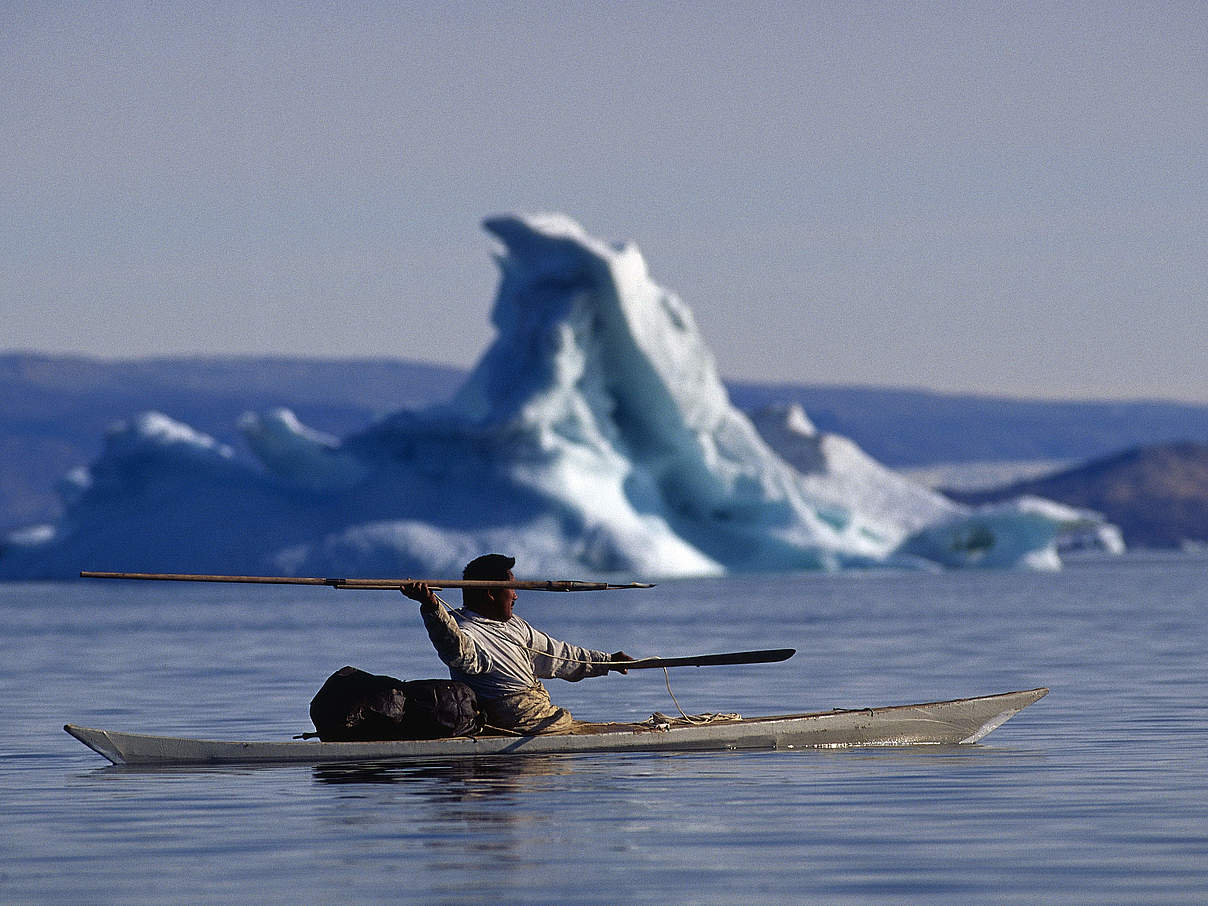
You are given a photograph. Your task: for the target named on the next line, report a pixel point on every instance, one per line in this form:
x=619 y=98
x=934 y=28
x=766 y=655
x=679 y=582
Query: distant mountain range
x=908 y=428
x=54 y=411
x=1158 y=495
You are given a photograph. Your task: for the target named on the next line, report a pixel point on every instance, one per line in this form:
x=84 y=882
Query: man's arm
x=561 y=660
x=453 y=646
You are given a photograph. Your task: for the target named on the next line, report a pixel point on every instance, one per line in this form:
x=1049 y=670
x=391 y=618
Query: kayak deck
x=958 y=721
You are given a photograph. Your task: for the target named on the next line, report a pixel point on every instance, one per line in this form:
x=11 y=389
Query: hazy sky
x=1002 y=198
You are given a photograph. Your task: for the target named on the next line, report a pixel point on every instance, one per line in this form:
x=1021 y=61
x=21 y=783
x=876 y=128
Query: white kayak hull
x=960 y=721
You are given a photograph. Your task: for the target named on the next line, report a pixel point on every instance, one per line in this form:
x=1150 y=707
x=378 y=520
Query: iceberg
x=593 y=436
x=834 y=468
x=1027 y=531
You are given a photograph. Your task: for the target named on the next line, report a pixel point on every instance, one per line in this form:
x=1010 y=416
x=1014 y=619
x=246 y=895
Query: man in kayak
x=500 y=656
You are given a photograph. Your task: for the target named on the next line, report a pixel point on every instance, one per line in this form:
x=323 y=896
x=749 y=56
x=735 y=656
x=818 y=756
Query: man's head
x=489 y=566
x=494 y=603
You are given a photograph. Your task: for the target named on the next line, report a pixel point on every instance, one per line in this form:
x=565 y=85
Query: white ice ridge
x=593 y=437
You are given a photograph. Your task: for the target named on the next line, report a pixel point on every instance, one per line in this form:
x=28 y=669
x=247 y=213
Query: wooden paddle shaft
x=530 y=585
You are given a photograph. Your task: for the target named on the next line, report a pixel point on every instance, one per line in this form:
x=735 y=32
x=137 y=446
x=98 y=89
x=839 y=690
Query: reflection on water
x=502 y=808
x=456 y=778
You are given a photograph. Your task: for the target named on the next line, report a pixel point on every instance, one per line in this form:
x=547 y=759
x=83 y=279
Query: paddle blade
x=767 y=656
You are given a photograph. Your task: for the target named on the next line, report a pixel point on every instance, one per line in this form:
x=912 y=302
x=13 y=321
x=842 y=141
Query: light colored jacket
x=498 y=659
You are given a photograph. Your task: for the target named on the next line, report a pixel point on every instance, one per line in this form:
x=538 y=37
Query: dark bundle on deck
x=357 y=706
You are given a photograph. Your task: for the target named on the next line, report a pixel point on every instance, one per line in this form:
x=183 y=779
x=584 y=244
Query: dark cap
x=489 y=566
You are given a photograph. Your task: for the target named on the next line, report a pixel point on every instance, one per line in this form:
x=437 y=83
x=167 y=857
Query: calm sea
x=1096 y=794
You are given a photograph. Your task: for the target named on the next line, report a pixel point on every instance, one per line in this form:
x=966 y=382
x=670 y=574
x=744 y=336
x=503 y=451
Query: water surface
x=1096 y=794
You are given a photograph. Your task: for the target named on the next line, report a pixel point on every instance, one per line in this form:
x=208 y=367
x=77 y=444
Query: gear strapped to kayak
x=356 y=706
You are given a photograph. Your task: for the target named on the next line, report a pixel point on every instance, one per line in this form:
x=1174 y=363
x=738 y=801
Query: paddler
x=500 y=656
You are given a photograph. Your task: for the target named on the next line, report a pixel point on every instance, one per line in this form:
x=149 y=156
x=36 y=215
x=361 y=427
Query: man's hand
x=419 y=591
x=619 y=656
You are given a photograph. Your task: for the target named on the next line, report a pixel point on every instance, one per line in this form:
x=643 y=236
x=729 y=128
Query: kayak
x=960 y=721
